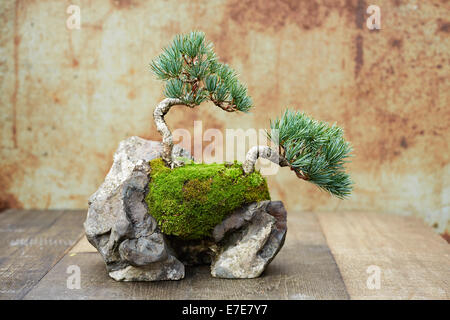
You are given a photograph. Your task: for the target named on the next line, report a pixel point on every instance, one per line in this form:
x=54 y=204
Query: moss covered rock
x=190 y=201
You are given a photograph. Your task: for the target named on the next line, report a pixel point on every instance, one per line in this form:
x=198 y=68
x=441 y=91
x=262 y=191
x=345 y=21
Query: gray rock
x=171 y=269
x=249 y=239
x=144 y=250
x=134 y=249
x=118 y=224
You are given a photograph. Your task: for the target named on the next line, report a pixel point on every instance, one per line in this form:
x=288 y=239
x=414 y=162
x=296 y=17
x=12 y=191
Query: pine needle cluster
x=315 y=150
x=192 y=73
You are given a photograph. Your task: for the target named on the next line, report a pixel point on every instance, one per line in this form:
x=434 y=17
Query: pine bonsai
x=313 y=150
x=219 y=214
x=193 y=75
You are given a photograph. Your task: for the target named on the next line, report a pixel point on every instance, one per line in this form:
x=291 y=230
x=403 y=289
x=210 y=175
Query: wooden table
x=326 y=256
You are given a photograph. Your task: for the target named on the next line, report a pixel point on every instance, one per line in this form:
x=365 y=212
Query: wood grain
x=304 y=269
x=414 y=262
x=31 y=242
x=325 y=256
x=82 y=246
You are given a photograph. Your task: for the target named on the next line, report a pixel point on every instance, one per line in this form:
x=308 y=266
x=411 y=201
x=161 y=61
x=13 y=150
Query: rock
x=134 y=249
x=170 y=269
x=117 y=222
x=249 y=239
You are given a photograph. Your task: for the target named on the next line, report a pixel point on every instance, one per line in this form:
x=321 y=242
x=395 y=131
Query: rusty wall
x=69 y=96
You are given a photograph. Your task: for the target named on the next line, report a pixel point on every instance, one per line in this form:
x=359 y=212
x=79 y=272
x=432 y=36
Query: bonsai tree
x=188 y=200
x=219 y=214
x=315 y=151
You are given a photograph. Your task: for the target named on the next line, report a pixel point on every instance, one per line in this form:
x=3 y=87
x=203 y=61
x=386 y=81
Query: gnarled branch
x=160 y=111
x=262 y=152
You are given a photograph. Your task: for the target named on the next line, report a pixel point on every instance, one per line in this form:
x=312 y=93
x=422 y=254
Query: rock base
x=133 y=248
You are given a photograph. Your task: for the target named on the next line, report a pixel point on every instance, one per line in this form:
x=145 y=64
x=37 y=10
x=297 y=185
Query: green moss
x=190 y=201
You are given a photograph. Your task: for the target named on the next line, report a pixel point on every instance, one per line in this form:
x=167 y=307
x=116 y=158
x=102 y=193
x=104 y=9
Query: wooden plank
x=82 y=246
x=31 y=243
x=304 y=269
x=413 y=261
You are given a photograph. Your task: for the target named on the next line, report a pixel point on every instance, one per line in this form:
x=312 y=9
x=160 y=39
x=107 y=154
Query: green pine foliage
x=315 y=150
x=193 y=74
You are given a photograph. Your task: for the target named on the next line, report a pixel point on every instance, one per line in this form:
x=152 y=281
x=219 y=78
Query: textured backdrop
x=69 y=96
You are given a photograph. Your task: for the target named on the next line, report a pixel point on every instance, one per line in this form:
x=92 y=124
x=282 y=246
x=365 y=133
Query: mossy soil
x=190 y=201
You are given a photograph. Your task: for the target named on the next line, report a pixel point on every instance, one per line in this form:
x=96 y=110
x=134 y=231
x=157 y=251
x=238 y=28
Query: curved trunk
x=262 y=152
x=160 y=111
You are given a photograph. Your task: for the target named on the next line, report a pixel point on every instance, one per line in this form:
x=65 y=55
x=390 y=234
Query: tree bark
x=262 y=152
x=158 y=115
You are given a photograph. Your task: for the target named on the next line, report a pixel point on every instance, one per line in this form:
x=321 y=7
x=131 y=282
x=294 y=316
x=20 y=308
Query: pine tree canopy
x=193 y=74
x=315 y=150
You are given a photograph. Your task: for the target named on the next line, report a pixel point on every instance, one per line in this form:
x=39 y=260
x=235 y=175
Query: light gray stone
x=170 y=269
x=118 y=224
x=249 y=239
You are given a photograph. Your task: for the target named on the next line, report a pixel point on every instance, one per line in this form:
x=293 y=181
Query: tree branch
x=262 y=152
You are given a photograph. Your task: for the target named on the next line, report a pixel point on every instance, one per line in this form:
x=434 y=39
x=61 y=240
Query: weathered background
x=69 y=96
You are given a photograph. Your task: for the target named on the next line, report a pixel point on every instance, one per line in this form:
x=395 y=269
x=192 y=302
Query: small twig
x=185 y=60
x=299 y=173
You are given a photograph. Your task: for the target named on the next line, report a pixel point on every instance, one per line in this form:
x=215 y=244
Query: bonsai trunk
x=262 y=152
x=167 y=141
